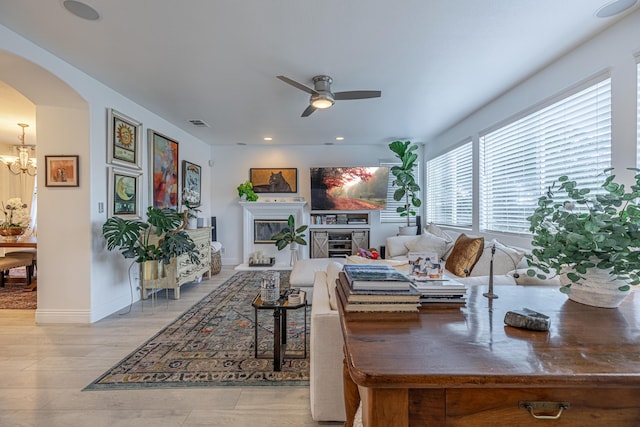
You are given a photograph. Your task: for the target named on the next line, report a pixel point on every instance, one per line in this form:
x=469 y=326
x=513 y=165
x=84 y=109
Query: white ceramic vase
x=192 y=223
x=411 y=230
x=600 y=289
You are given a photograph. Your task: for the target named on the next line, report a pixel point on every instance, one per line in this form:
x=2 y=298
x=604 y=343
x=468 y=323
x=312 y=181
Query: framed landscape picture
x=163 y=179
x=61 y=171
x=125 y=193
x=191 y=183
x=124 y=138
x=270 y=180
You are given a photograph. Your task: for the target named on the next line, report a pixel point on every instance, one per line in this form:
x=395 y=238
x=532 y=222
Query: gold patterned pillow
x=466 y=252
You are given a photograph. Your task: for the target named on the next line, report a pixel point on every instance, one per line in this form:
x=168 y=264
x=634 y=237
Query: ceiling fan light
x=321 y=101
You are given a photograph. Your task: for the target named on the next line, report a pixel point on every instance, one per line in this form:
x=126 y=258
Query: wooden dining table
x=26 y=242
x=21 y=242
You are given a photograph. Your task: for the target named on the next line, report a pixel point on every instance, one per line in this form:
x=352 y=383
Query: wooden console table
x=181 y=270
x=465 y=367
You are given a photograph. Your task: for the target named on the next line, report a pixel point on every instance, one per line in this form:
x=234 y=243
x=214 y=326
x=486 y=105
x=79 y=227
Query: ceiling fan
x=321 y=95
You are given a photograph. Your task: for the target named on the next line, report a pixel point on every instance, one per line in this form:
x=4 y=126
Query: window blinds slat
x=449 y=187
x=521 y=159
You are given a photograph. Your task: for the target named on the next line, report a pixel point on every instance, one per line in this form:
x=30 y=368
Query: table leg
x=277 y=340
x=255 y=332
x=283 y=322
x=351 y=393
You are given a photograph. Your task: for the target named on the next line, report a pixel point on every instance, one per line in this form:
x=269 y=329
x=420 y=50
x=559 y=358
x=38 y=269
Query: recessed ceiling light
x=614 y=8
x=339 y=138
x=81 y=10
x=268 y=138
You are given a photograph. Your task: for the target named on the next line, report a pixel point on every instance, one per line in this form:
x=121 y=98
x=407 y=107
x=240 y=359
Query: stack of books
x=376 y=277
x=381 y=295
x=443 y=291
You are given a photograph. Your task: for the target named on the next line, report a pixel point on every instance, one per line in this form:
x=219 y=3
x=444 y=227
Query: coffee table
x=279 y=309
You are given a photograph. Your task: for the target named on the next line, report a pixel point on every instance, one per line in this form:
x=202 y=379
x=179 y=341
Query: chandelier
x=22 y=163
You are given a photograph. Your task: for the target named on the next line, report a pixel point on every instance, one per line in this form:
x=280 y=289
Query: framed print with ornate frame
x=124 y=193
x=61 y=171
x=124 y=140
x=192 y=181
x=163 y=178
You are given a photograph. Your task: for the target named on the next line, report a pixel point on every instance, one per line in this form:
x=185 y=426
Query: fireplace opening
x=264 y=229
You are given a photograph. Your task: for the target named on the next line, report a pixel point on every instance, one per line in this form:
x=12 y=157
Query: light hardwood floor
x=44 y=368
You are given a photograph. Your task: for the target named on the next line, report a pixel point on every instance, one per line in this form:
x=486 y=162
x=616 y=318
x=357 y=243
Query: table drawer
x=586 y=407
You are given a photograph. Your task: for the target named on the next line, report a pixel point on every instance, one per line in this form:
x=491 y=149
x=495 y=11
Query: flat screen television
x=349 y=188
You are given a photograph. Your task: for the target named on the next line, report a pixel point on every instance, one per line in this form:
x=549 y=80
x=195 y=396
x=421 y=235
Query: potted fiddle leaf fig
x=134 y=239
x=292 y=237
x=590 y=240
x=405 y=181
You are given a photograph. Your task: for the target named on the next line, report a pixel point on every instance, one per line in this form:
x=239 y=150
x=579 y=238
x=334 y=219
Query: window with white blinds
x=520 y=160
x=390 y=214
x=638 y=118
x=450 y=187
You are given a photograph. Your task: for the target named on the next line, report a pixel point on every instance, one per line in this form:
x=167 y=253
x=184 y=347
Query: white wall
x=613 y=50
x=78 y=280
x=231 y=167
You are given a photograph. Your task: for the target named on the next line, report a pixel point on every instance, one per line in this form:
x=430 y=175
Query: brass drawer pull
x=536 y=408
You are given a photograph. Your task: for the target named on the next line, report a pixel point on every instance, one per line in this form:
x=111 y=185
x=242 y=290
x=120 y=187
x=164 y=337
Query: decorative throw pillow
x=332 y=275
x=505 y=259
x=437 y=231
x=465 y=254
x=396 y=246
x=428 y=243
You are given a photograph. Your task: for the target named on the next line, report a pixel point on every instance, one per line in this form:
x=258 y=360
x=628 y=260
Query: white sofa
x=509 y=265
x=325 y=382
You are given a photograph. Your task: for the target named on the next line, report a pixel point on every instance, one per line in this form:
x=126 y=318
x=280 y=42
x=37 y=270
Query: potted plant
x=134 y=239
x=16 y=218
x=246 y=189
x=405 y=181
x=292 y=237
x=591 y=241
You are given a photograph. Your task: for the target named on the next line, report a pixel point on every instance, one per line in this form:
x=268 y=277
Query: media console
x=338 y=234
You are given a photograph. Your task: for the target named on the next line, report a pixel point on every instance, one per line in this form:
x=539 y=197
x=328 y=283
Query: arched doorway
x=60 y=112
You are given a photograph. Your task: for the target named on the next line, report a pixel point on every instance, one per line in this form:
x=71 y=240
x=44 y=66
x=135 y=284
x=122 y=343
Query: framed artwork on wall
x=191 y=183
x=124 y=140
x=163 y=161
x=125 y=193
x=61 y=171
x=271 y=180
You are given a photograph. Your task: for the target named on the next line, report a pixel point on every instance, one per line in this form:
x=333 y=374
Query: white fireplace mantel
x=271 y=210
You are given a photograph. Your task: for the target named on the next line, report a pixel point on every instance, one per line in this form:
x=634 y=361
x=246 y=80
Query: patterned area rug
x=211 y=344
x=13 y=296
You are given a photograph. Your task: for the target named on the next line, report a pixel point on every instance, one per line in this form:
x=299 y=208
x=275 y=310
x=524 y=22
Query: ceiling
x=217 y=61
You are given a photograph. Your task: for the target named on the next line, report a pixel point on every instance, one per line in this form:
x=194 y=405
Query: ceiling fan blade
x=310 y=109
x=357 y=94
x=298 y=85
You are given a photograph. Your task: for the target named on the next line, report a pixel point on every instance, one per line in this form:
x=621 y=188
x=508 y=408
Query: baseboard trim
x=44 y=316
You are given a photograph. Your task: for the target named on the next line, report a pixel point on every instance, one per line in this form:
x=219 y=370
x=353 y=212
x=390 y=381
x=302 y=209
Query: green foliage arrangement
x=290 y=234
x=603 y=232
x=246 y=189
x=405 y=178
x=132 y=237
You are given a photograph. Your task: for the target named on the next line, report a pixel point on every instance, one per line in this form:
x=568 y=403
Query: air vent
x=199 y=123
